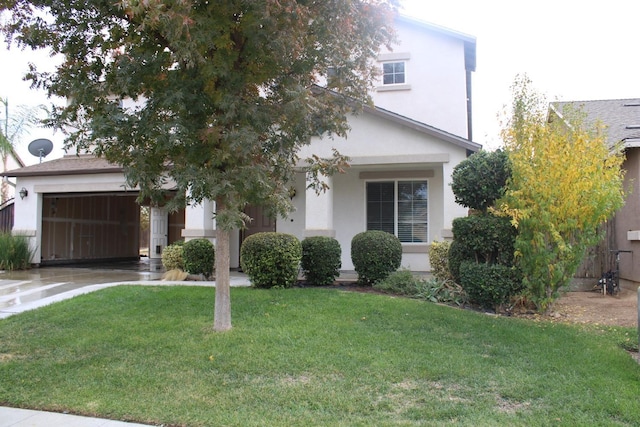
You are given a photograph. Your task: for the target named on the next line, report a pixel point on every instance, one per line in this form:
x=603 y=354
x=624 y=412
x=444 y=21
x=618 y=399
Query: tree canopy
x=224 y=89
x=566 y=180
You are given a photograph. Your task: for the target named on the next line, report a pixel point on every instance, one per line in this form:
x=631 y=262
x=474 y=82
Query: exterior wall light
x=23 y=193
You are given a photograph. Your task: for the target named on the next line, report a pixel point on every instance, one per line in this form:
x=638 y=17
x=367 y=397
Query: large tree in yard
x=566 y=181
x=224 y=89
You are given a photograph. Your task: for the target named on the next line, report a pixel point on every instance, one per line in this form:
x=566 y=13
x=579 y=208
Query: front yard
x=311 y=357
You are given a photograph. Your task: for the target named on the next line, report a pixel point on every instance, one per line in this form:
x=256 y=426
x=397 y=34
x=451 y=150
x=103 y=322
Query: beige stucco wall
x=627 y=220
x=436 y=75
x=381 y=148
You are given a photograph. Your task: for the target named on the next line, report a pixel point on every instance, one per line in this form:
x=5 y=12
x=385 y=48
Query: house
x=621 y=117
x=8 y=191
x=402 y=152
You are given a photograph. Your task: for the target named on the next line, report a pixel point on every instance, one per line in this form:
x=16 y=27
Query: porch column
x=27 y=220
x=319 y=211
x=199 y=222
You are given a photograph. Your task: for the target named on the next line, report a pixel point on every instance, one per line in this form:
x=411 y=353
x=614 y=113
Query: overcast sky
x=570 y=49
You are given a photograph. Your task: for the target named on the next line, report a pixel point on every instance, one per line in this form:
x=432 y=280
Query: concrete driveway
x=37 y=287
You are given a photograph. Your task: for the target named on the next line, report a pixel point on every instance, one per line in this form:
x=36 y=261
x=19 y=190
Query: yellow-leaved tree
x=566 y=181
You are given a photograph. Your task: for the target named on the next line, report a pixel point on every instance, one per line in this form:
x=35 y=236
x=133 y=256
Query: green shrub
x=489 y=285
x=375 y=254
x=271 y=259
x=199 y=256
x=445 y=292
x=482 y=238
x=15 y=253
x=439 y=260
x=481 y=179
x=172 y=256
x=321 y=260
x=403 y=282
x=490 y=238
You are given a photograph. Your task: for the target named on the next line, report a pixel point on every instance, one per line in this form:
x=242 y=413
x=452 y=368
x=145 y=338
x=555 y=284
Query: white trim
x=197 y=233
x=393 y=87
x=394 y=57
x=400 y=159
x=397 y=175
x=322 y=233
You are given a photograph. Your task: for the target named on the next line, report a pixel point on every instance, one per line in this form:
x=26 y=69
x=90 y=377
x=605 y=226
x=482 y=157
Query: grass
x=303 y=357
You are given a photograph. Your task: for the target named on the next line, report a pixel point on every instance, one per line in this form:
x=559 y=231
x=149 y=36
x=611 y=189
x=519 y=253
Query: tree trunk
x=222 y=309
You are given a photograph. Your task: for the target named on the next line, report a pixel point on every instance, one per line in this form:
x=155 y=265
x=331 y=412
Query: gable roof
x=620 y=116
x=67 y=165
x=423 y=128
x=89 y=164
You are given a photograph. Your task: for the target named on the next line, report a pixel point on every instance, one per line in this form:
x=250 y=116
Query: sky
x=572 y=50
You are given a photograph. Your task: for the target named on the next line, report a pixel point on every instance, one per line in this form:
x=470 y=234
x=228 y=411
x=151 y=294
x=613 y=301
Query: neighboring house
x=402 y=152
x=9 y=192
x=622 y=120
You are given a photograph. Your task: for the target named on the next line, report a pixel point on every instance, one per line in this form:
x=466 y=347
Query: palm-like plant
x=13 y=127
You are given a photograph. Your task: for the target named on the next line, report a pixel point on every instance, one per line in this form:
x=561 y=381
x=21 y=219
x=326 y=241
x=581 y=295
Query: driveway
x=29 y=289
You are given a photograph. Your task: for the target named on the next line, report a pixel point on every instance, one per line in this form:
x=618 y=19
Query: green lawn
x=303 y=357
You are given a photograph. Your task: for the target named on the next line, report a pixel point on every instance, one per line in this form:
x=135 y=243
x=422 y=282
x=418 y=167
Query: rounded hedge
x=172 y=256
x=321 y=260
x=199 y=257
x=271 y=259
x=481 y=179
x=375 y=254
x=489 y=285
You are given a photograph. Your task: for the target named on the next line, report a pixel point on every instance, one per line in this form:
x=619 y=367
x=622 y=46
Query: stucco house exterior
x=622 y=120
x=402 y=153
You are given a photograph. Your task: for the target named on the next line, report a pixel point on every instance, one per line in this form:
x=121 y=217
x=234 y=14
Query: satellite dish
x=40 y=148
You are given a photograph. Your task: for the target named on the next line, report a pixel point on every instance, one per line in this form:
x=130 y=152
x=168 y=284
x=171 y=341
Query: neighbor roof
x=620 y=116
x=67 y=165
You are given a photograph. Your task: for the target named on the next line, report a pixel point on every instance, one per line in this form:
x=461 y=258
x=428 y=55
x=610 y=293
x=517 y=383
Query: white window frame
x=394 y=74
x=394 y=57
x=395 y=182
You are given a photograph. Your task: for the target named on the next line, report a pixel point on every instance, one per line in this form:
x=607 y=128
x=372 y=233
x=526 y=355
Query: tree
x=566 y=181
x=14 y=126
x=225 y=89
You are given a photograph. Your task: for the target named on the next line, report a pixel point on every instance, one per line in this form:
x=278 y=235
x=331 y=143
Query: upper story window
x=393 y=73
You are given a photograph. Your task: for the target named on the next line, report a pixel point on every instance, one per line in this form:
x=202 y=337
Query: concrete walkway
x=13 y=417
x=27 y=290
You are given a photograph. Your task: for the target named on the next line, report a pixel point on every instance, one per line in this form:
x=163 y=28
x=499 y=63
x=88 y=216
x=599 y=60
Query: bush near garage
x=172 y=256
x=15 y=253
x=199 y=257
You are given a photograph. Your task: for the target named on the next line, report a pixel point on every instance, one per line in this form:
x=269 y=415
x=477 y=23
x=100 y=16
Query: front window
x=393 y=73
x=399 y=208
